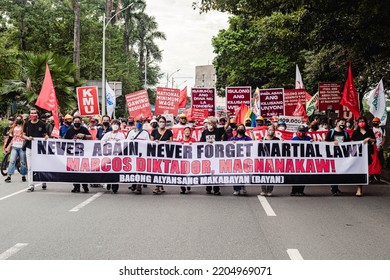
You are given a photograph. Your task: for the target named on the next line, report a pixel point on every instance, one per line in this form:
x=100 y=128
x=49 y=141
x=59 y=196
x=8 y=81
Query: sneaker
x=30 y=189
x=269 y=194
x=262 y=193
x=44 y=186
x=217 y=193
x=293 y=194
x=183 y=192
x=24 y=179
x=75 y=190
x=300 y=194
x=139 y=191
x=337 y=193
x=8 y=179
x=208 y=192
x=86 y=190
x=236 y=193
x=243 y=190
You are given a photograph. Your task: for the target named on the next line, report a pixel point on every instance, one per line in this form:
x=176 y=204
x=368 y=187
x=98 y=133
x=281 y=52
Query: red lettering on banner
x=127 y=164
x=106 y=164
x=95 y=164
x=72 y=164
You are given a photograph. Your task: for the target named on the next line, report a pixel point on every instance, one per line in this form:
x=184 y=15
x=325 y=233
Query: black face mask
x=375 y=124
x=19 y=122
x=154 y=125
x=233 y=125
x=241 y=131
x=68 y=123
x=106 y=123
x=131 y=123
x=77 y=125
x=342 y=126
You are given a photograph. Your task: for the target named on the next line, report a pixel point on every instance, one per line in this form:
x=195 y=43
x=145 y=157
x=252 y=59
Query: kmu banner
x=88 y=101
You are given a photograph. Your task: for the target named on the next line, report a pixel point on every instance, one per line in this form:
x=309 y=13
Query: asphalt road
x=55 y=224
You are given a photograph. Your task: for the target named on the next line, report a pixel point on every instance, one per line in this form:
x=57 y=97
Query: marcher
x=380 y=136
x=182 y=121
x=104 y=128
x=211 y=135
x=138 y=133
x=15 y=147
x=268 y=189
x=300 y=136
x=34 y=128
x=161 y=134
x=78 y=132
x=114 y=135
x=68 y=119
x=187 y=139
x=337 y=135
x=241 y=136
x=364 y=133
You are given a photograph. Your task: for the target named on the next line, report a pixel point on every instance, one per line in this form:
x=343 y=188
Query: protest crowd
x=25 y=127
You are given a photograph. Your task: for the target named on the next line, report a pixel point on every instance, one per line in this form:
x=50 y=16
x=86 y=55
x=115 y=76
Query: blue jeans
x=15 y=153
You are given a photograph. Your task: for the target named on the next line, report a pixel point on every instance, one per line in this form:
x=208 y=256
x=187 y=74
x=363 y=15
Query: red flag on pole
x=350 y=98
x=300 y=110
x=183 y=98
x=47 y=100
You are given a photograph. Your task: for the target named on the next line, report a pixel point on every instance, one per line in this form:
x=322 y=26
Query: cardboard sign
x=329 y=96
x=235 y=96
x=204 y=98
x=271 y=102
x=167 y=101
x=138 y=104
x=194 y=114
x=88 y=101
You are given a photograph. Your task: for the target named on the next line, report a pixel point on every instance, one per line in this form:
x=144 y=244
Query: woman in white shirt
x=114 y=135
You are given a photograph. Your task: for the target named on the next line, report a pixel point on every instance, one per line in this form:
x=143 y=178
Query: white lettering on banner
x=220 y=163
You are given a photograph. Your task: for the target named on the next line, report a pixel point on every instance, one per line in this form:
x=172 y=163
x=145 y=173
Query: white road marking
x=385 y=181
x=12 y=194
x=12 y=251
x=294 y=255
x=267 y=207
x=88 y=201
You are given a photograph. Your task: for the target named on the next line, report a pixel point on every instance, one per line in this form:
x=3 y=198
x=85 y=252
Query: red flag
x=183 y=98
x=300 y=109
x=350 y=98
x=47 y=100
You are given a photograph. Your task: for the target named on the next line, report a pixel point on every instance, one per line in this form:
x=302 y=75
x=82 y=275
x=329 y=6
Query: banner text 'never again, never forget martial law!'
x=222 y=163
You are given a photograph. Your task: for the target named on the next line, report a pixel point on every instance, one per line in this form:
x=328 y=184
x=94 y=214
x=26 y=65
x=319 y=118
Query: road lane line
x=267 y=207
x=12 y=251
x=12 y=194
x=294 y=255
x=88 y=201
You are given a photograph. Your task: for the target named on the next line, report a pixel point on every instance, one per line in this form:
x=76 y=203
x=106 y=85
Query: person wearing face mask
x=130 y=123
x=78 y=132
x=267 y=190
x=153 y=124
x=7 y=138
x=282 y=126
x=68 y=120
x=114 y=135
x=300 y=136
x=241 y=136
x=182 y=121
x=337 y=135
x=259 y=121
x=187 y=139
x=364 y=133
x=380 y=136
x=15 y=147
x=34 y=128
x=138 y=133
x=211 y=135
x=161 y=134
x=106 y=127
x=275 y=121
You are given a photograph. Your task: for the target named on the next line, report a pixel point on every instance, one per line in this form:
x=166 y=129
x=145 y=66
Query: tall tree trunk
x=109 y=7
x=76 y=40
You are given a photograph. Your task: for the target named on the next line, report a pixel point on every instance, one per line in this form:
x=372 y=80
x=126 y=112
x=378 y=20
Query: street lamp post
x=169 y=76
x=105 y=24
x=173 y=79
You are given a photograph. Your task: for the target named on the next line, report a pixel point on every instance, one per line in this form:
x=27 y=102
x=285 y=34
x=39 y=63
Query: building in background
x=205 y=76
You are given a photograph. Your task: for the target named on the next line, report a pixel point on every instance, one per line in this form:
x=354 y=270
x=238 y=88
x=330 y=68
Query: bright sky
x=188 y=35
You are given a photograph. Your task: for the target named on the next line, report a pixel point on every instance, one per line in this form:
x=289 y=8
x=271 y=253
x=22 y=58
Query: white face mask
x=115 y=127
x=281 y=128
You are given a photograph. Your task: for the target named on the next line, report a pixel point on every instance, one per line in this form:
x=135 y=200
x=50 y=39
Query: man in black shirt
x=78 y=132
x=34 y=128
x=210 y=135
x=337 y=135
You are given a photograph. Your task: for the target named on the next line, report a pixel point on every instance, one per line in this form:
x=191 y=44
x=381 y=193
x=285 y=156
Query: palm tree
x=27 y=88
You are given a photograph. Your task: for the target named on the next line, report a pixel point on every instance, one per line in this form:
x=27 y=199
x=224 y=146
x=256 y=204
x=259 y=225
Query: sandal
x=157 y=191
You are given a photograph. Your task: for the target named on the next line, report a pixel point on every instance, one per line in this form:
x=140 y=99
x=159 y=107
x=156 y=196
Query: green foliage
x=266 y=39
x=30 y=30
